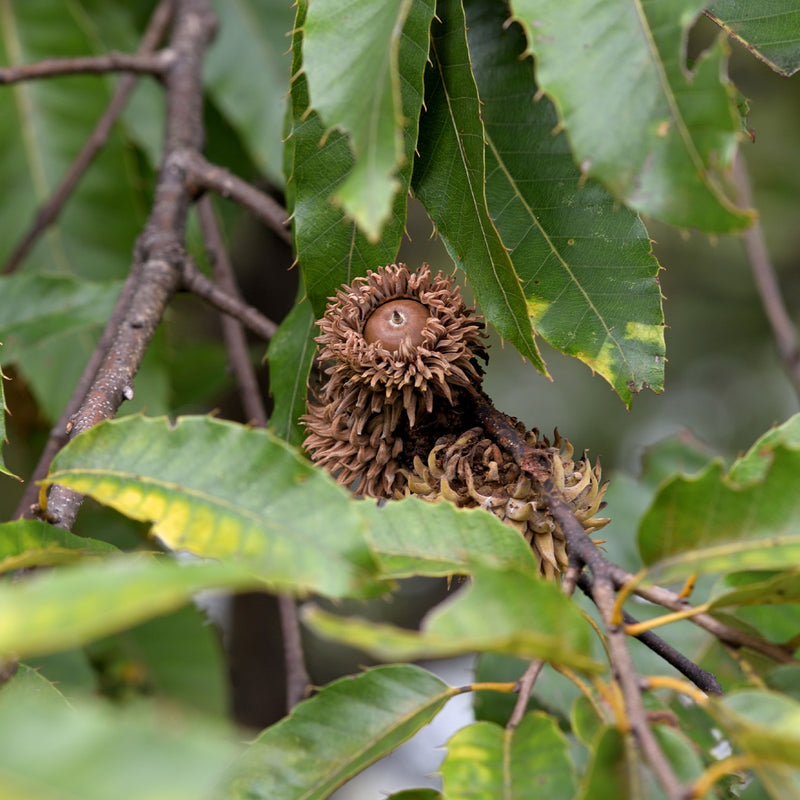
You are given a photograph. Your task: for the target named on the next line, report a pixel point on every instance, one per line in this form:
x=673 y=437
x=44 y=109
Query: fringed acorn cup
x=401 y=352
x=471 y=471
x=402 y=348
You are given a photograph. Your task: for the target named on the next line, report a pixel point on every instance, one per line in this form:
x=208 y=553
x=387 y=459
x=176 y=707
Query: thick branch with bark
x=161 y=248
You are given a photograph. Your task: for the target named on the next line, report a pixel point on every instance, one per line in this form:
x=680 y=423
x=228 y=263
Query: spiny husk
x=470 y=470
x=374 y=397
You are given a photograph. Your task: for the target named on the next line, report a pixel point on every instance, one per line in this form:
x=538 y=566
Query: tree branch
x=233 y=333
x=141 y=64
x=161 y=247
x=697 y=675
x=49 y=212
x=725 y=633
x=203 y=175
x=233 y=306
x=28 y=506
x=766 y=281
x=297 y=678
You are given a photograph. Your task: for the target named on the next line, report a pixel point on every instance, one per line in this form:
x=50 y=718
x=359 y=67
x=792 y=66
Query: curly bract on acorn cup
x=399 y=348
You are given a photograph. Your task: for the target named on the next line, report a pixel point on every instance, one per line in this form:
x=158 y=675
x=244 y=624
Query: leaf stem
x=677 y=685
x=703 y=785
x=506 y=687
x=636 y=628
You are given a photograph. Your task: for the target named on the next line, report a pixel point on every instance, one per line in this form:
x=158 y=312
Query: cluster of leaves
x=386 y=98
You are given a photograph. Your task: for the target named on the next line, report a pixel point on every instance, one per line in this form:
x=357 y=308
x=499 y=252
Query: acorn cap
x=470 y=470
x=397 y=345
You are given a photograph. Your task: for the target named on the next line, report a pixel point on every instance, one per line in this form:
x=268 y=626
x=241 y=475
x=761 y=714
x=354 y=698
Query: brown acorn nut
x=399 y=348
x=395 y=322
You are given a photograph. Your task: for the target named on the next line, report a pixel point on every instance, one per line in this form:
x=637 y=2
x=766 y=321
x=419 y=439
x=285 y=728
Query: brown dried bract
x=471 y=471
x=374 y=395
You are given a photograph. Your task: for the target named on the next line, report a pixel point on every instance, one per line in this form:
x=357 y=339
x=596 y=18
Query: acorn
x=401 y=349
x=470 y=470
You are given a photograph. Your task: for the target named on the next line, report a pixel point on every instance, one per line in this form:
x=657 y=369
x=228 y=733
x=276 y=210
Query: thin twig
x=626 y=676
x=161 y=247
x=697 y=675
x=195 y=281
x=138 y=63
x=525 y=688
x=767 y=285
x=233 y=333
x=49 y=212
x=203 y=175
x=725 y=633
x=297 y=678
x=526 y=682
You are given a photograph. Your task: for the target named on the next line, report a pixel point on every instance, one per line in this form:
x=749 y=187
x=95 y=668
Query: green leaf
x=49 y=325
x=617 y=769
x=764 y=724
x=350 y=58
x=416 y=794
x=660 y=137
x=329 y=246
x=485 y=762
x=757 y=499
x=491 y=613
x=93 y=750
x=43 y=125
x=679 y=453
x=608 y=774
x=252 y=40
x=748 y=554
x=449 y=179
x=30 y=684
x=67 y=607
x=585 y=262
x=31 y=543
x=291 y=353
x=225 y=491
x=758 y=459
x=334 y=735
x=585 y=719
x=757 y=588
x=412 y=537
x=772 y=34
x=785 y=678
x=766 y=727
x=176 y=656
